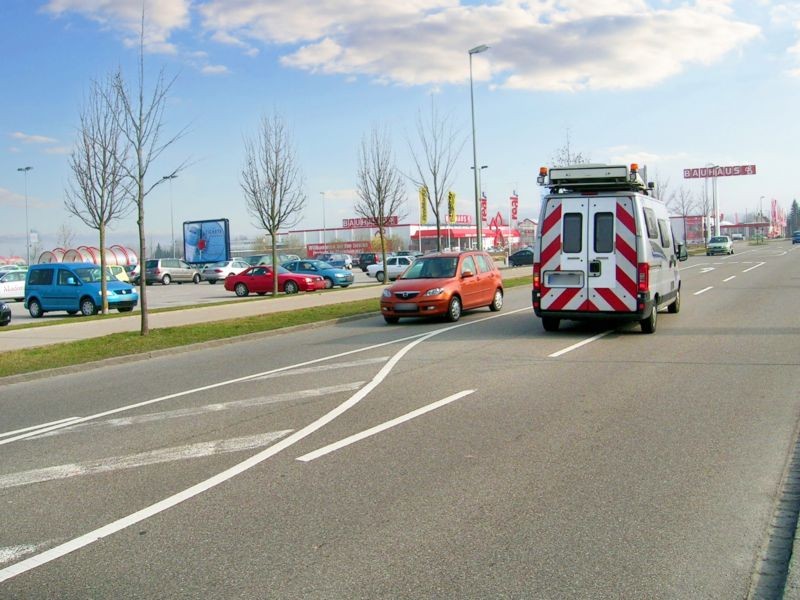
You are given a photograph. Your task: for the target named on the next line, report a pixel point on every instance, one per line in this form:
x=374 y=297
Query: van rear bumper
x=645 y=302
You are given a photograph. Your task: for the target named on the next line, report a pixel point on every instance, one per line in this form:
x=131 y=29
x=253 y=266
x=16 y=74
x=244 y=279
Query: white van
x=604 y=248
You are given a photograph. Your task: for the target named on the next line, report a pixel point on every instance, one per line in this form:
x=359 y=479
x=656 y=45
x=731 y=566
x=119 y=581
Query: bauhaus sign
x=718 y=171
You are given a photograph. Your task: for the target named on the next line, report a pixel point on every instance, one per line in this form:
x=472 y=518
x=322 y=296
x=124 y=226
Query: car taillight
x=644 y=277
x=537 y=271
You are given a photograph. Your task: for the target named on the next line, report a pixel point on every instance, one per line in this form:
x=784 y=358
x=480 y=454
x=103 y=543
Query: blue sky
x=664 y=83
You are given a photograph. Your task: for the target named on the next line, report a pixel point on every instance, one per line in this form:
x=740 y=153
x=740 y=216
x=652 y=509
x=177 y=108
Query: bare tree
x=99 y=191
x=682 y=205
x=380 y=188
x=272 y=182
x=65 y=236
x=663 y=189
x=565 y=155
x=142 y=121
x=435 y=162
x=705 y=206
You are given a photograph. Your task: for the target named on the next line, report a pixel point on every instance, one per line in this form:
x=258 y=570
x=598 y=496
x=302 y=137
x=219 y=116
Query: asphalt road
x=486 y=459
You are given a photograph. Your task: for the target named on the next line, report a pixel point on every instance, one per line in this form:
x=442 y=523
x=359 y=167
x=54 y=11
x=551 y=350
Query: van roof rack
x=592 y=177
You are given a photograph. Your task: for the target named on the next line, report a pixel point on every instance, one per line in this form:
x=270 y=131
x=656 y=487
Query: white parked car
x=395 y=266
x=12 y=284
x=218 y=271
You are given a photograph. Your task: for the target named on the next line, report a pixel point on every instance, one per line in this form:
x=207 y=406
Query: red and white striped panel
x=556 y=298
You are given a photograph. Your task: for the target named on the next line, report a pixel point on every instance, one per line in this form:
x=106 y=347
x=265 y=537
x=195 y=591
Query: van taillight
x=644 y=277
x=537 y=270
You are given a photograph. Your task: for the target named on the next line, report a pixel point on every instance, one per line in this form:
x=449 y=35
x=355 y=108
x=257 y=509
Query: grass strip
x=129 y=343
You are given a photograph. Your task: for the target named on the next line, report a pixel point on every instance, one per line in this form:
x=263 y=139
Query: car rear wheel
x=497 y=301
x=675 y=307
x=241 y=290
x=125 y=309
x=550 y=323
x=35 y=309
x=290 y=287
x=88 y=307
x=454 y=309
x=649 y=324
x=391 y=320
x=166 y=279
x=328 y=283
x=196 y=278
x=380 y=276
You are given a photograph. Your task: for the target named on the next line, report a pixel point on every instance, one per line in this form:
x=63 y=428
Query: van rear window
x=41 y=277
x=573 y=233
x=604 y=232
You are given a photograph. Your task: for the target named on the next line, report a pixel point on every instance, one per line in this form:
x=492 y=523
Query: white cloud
x=562 y=45
x=9 y=198
x=214 y=70
x=33 y=139
x=162 y=17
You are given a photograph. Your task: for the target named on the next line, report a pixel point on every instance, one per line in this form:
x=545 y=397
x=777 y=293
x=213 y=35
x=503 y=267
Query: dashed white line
x=578 y=345
x=704 y=290
x=382 y=427
x=729 y=278
x=754 y=267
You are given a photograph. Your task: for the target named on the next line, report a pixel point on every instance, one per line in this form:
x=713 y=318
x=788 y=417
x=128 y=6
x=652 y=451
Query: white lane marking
x=578 y=345
x=728 y=279
x=706 y=269
x=704 y=290
x=253 y=376
x=142 y=459
x=382 y=427
x=32 y=427
x=320 y=368
x=682 y=269
x=754 y=267
x=77 y=543
x=208 y=408
x=12 y=553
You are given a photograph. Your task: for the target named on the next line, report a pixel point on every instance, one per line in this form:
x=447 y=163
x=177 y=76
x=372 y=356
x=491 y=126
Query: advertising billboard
x=206 y=241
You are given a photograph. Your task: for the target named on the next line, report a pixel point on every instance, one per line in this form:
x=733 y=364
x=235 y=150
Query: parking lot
x=165 y=296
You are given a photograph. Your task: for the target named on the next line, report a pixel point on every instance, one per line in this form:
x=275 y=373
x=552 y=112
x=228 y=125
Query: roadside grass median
x=28 y=360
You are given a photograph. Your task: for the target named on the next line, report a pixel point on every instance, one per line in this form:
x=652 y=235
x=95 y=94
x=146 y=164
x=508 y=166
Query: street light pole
x=475 y=50
x=171 y=213
x=27 y=228
x=324 y=226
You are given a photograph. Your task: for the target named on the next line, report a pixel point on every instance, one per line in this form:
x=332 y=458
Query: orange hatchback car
x=444 y=284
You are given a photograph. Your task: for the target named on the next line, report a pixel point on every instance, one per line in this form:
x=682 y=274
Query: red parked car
x=258 y=280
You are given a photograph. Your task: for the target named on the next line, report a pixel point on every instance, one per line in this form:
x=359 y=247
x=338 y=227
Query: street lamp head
x=24 y=169
x=479 y=49
x=173 y=176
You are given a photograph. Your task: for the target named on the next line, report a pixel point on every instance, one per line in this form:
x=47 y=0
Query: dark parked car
x=5 y=314
x=521 y=257
x=366 y=259
x=333 y=276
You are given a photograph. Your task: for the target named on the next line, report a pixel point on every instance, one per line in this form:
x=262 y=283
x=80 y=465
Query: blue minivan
x=74 y=287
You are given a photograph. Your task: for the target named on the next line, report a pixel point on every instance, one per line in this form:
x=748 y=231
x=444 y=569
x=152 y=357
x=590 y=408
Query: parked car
x=365 y=259
x=74 y=287
x=7 y=268
x=444 y=284
x=167 y=270
x=796 y=237
x=340 y=261
x=333 y=276
x=719 y=244
x=521 y=257
x=12 y=285
x=222 y=269
x=395 y=265
x=133 y=272
x=118 y=272
x=259 y=280
x=5 y=314
x=266 y=259
x=737 y=237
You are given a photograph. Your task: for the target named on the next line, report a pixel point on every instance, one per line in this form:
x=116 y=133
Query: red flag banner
x=483 y=208
x=514 y=207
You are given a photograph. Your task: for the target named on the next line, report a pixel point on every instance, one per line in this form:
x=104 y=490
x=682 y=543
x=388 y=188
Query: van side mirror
x=683 y=254
x=467 y=273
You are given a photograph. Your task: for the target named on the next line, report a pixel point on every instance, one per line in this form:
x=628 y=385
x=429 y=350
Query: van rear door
x=588 y=254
